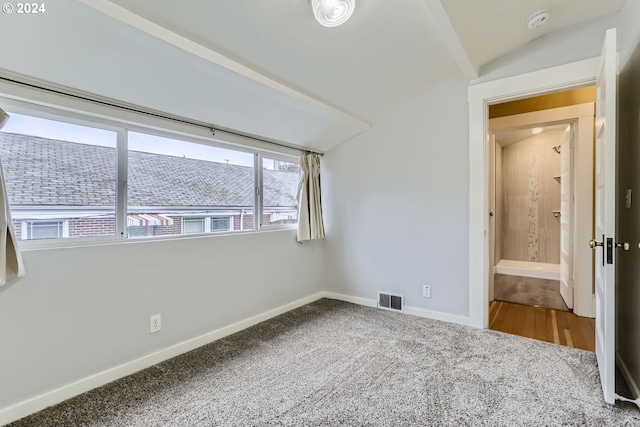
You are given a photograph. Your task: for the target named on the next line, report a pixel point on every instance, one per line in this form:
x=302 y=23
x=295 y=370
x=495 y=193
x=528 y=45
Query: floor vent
x=390 y=301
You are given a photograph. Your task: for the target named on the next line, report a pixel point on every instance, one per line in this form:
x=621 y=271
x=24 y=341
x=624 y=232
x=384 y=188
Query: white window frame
x=36 y=103
x=50 y=113
x=229 y=219
x=200 y=217
x=208 y=220
x=284 y=158
x=24 y=224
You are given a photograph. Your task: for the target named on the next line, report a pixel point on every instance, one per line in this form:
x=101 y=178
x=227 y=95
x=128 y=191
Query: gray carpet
x=528 y=291
x=333 y=363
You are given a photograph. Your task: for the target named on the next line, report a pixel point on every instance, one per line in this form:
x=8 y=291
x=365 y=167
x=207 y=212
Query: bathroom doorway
x=541 y=206
x=533 y=176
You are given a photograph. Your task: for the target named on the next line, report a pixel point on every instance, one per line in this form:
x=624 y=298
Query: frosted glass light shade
x=331 y=13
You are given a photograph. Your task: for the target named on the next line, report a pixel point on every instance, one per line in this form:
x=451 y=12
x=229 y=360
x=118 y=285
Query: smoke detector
x=538 y=19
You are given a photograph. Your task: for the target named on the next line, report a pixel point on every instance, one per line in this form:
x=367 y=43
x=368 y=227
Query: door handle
x=625 y=246
x=593 y=243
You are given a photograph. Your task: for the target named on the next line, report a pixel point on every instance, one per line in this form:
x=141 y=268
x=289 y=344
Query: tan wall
x=544 y=102
x=530 y=232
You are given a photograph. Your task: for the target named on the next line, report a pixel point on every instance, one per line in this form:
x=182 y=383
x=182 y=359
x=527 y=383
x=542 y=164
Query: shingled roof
x=40 y=171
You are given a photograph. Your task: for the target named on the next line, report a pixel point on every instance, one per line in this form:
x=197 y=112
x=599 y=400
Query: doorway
x=532 y=176
x=540 y=193
x=481 y=96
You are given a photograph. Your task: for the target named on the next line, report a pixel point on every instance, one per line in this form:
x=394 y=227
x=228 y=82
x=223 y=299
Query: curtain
x=310 y=225
x=10 y=259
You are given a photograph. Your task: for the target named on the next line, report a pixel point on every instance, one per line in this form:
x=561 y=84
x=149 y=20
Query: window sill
x=28 y=246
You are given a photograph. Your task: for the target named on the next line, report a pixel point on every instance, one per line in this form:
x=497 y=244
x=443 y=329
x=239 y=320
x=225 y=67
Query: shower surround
x=530 y=231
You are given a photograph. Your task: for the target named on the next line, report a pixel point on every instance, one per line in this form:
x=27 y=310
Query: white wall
x=79 y=311
x=396 y=205
x=629 y=34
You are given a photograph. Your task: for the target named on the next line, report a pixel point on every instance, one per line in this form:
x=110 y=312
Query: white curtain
x=310 y=225
x=10 y=259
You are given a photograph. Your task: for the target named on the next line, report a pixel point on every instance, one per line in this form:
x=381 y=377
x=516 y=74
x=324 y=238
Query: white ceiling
x=266 y=67
x=490 y=28
x=368 y=67
x=511 y=136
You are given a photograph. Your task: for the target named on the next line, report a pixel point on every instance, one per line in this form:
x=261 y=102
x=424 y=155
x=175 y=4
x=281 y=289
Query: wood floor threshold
x=553 y=326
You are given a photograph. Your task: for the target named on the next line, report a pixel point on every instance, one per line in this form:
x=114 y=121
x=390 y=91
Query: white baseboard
x=42 y=401
x=415 y=311
x=633 y=386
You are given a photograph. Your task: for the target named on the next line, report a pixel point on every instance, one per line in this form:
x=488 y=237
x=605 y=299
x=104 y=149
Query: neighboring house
x=66 y=189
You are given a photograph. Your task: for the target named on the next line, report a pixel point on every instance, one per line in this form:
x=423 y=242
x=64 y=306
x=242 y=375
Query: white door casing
x=566 y=216
x=481 y=95
x=604 y=238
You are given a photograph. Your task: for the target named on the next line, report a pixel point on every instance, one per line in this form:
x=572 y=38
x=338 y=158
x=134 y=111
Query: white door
x=603 y=240
x=566 y=219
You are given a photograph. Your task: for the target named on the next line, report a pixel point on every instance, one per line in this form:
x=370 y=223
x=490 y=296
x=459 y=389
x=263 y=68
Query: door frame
x=480 y=96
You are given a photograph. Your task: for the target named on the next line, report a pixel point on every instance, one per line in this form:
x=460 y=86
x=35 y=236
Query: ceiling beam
x=451 y=39
x=136 y=21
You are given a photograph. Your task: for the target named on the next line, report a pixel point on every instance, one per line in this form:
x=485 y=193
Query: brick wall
x=80 y=227
x=166 y=230
x=90 y=227
x=248 y=221
x=85 y=227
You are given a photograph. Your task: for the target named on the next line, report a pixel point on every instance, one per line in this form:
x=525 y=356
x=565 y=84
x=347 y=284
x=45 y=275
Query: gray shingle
x=40 y=171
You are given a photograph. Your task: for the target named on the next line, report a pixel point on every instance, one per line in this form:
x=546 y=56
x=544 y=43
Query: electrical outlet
x=426 y=291
x=155 y=324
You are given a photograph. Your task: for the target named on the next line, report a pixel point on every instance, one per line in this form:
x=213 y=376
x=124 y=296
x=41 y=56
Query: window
x=68 y=176
x=140 y=231
x=193 y=225
x=210 y=188
x=36 y=230
x=221 y=223
x=52 y=167
x=280 y=181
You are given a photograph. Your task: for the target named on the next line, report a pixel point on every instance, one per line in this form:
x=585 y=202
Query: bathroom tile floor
x=554 y=326
x=529 y=291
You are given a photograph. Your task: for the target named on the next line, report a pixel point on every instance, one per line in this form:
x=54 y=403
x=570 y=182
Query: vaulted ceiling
x=268 y=68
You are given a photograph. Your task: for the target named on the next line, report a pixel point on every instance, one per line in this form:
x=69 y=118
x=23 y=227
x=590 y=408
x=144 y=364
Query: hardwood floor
x=559 y=327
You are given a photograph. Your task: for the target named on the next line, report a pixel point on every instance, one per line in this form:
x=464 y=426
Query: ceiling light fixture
x=537 y=131
x=331 y=13
x=538 y=19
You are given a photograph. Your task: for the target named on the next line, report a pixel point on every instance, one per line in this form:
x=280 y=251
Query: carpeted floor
x=333 y=363
x=528 y=291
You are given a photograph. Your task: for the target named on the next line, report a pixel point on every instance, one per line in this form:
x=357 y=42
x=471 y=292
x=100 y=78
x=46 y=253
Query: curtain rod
x=213 y=129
